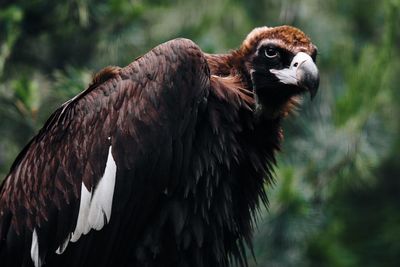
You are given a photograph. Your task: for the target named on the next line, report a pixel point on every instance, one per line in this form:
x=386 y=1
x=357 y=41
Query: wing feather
x=108 y=145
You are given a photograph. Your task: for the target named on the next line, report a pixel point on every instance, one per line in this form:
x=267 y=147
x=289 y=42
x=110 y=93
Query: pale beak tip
x=309 y=78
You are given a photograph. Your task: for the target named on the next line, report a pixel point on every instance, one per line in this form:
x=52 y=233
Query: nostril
x=295 y=64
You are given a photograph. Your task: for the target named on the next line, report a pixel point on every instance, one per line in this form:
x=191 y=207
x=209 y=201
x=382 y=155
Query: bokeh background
x=336 y=199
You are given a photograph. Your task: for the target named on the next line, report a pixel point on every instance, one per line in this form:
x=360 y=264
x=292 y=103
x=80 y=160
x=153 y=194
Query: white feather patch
x=82 y=226
x=95 y=207
x=64 y=245
x=35 y=250
x=100 y=207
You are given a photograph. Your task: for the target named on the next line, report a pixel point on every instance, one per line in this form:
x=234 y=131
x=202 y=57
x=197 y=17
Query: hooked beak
x=302 y=72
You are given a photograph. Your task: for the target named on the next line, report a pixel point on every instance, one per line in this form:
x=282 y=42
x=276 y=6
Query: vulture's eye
x=271 y=52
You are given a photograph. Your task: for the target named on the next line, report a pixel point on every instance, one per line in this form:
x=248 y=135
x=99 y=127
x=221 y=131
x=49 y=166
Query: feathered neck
x=231 y=80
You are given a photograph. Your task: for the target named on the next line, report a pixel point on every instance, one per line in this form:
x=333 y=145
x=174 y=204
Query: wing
x=101 y=154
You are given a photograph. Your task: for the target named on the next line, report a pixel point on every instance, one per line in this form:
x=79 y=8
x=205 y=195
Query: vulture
x=163 y=162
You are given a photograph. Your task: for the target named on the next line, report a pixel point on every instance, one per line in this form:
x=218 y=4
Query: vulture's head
x=280 y=64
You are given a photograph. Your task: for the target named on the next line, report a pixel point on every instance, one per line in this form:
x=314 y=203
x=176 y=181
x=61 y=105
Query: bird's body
x=160 y=163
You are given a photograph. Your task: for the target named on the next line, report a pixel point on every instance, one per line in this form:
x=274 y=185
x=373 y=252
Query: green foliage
x=372 y=72
x=11 y=17
x=336 y=197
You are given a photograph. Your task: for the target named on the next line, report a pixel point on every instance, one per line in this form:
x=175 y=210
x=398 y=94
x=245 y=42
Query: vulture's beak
x=302 y=72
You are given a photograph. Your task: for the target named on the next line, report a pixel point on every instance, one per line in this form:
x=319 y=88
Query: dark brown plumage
x=166 y=158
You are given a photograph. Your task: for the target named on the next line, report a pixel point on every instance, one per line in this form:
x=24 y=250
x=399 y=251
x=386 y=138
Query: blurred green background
x=336 y=200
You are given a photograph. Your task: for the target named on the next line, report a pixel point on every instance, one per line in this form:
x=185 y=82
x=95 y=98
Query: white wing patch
x=35 y=250
x=100 y=207
x=82 y=225
x=95 y=207
x=64 y=245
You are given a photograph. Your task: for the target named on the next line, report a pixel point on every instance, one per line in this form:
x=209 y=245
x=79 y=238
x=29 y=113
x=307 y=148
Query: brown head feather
x=288 y=37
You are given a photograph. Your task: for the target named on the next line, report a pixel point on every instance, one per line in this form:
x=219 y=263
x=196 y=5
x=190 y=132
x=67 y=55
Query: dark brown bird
x=160 y=163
